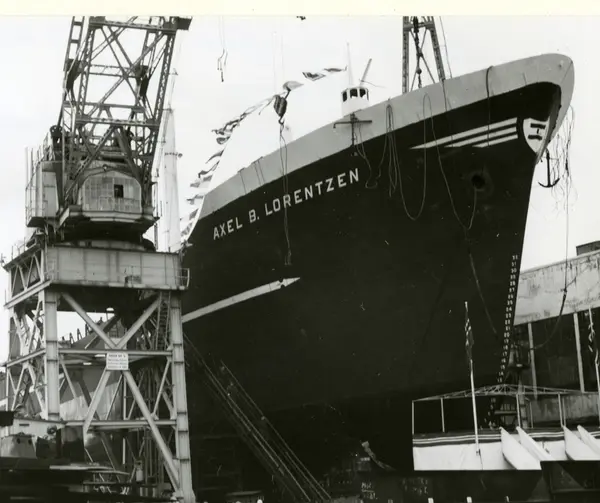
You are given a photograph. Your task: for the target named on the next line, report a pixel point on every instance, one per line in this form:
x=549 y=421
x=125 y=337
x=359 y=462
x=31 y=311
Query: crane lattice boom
x=103 y=147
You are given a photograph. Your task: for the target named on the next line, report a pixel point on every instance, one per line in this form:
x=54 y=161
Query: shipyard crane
x=89 y=201
x=415 y=29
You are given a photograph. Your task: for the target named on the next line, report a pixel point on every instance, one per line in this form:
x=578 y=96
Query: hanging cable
x=222 y=60
x=445 y=47
x=554 y=330
x=280 y=106
x=394 y=167
x=284 y=169
x=466 y=227
x=359 y=148
x=558 y=155
x=562 y=144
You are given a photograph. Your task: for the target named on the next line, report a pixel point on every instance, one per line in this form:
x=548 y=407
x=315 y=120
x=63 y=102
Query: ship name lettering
x=329 y=184
x=318 y=185
x=226 y=228
x=322 y=186
x=297 y=199
x=298 y=196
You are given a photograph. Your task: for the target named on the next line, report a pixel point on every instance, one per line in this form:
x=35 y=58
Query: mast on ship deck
x=415 y=29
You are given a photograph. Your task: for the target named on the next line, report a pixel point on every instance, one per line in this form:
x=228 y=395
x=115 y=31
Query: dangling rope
x=222 y=61
x=562 y=145
x=283 y=155
x=445 y=47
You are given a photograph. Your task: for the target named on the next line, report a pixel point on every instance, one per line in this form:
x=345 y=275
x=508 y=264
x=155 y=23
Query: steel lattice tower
x=90 y=199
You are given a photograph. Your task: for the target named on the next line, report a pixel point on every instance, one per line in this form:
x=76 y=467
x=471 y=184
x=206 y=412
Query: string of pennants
x=223 y=134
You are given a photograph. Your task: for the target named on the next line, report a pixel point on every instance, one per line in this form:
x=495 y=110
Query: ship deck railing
x=530 y=408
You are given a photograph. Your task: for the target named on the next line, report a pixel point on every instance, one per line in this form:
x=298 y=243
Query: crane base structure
x=90 y=198
x=127 y=378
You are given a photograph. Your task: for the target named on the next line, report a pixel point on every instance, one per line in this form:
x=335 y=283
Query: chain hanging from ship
x=513 y=358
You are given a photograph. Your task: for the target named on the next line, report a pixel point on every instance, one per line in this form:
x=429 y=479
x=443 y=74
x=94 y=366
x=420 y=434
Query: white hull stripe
x=483 y=138
x=474 y=135
x=485 y=436
x=305 y=148
x=504 y=139
x=236 y=299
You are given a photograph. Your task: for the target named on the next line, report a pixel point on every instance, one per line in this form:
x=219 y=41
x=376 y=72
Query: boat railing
x=18 y=248
x=526 y=406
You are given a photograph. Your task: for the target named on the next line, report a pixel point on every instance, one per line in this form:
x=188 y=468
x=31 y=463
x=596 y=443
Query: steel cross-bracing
x=415 y=29
x=124 y=382
x=89 y=202
x=115 y=82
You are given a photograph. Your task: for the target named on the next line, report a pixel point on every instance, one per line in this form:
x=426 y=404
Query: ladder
x=74 y=43
x=163 y=320
x=256 y=431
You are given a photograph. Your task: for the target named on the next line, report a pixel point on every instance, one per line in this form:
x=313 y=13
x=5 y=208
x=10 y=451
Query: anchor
x=550 y=184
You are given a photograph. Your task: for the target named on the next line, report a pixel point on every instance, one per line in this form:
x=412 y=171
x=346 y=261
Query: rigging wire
x=285 y=182
x=565 y=288
x=359 y=148
x=466 y=227
x=558 y=157
x=222 y=60
x=445 y=46
x=280 y=105
x=283 y=151
x=389 y=143
x=393 y=164
x=394 y=169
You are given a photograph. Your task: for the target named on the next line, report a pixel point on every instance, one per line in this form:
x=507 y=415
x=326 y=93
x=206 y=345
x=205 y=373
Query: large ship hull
x=345 y=278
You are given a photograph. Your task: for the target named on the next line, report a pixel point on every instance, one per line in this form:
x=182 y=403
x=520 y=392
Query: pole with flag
x=593 y=347
x=469 y=349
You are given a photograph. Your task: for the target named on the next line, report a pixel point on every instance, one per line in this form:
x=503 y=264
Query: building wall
x=540 y=291
x=559 y=337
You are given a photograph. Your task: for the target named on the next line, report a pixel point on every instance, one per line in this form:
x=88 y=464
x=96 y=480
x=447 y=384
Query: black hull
x=379 y=303
x=377 y=314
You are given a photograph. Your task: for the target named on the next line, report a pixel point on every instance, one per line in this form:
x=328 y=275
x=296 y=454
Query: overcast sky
x=263 y=52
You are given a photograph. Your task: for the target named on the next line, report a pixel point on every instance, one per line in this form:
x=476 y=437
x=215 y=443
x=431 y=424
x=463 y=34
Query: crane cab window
x=111 y=191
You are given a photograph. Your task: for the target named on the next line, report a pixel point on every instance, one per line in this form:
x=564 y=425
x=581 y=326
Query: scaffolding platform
x=533 y=425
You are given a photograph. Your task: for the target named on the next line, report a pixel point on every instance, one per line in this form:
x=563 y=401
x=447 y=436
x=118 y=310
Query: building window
x=119 y=191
